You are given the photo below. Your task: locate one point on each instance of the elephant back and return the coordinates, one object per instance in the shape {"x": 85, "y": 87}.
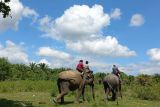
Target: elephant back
{"x": 71, "y": 75}
{"x": 112, "y": 79}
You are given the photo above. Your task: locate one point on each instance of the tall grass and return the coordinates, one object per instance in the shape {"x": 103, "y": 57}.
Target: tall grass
{"x": 147, "y": 92}
{"x": 27, "y": 86}
{"x": 131, "y": 95}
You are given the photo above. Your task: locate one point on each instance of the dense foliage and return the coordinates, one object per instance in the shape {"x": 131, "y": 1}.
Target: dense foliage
{"x": 32, "y": 71}
{"x": 4, "y": 8}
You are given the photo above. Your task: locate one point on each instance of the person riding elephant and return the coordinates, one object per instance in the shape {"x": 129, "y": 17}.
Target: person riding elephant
{"x": 80, "y": 67}
{"x": 84, "y": 70}
{"x": 116, "y": 71}
{"x": 87, "y": 68}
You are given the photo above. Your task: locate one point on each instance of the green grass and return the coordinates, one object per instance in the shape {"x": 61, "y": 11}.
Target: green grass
{"x": 38, "y": 94}
{"x": 27, "y": 86}
{"x": 41, "y": 99}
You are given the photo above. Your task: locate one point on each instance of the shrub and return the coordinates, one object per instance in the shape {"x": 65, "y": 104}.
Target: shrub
{"x": 146, "y": 93}
{"x": 144, "y": 80}
{"x": 156, "y": 78}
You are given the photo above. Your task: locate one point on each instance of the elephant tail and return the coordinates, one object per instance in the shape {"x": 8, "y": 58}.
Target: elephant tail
{"x": 108, "y": 85}
{"x": 58, "y": 84}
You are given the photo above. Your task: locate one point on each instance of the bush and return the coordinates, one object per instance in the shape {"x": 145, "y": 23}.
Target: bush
{"x": 144, "y": 80}
{"x": 146, "y": 93}
{"x": 156, "y": 78}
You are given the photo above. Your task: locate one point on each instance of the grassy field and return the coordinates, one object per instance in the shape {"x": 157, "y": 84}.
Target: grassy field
{"x": 38, "y": 94}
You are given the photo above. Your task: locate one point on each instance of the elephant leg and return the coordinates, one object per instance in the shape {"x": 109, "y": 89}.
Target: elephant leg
{"x": 83, "y": 93}
{"x": 61, "y": 96}
{"x": 93, "y": 93}
{"x": 116, "y": 96}
{"x": 64, "y": 87}
{"x": 106, "y": 95}
{"x": 106, "y": 89}
{"x": 120, "y": 92}
{"x": 113, "y": 95}
{"x": 79, "y": 93}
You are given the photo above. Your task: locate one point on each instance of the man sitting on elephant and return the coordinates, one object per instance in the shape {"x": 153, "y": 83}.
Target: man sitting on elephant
{"x": 87, "y": 66}
{"x": 80, "y": 67}
{"x": 116, "y": 71}
{"x": 87, "y": 69}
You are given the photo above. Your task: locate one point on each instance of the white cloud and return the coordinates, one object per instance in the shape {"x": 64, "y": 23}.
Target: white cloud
{"x": 18, "y": 11}
{"x": 154, "y": 54}
{"x": 143, "y": 68}
{"x": 100, "y": 66}
{"x": 116, "y": 13}
{"x": 80, "y": 27}
{"x": 50, "y": 52}
{"x": 137, "y": 20}
{"x": 107, "y": 46}
{"x": 58, "y": 63}
{"x": 45, "y": 20}
{"x": 28, "y": 12}
{"x": 155, "y": 69}
{"x": 62, "y": 63}
{"x": 77, "y": 22}
{"x": 47, "y": 26}
{"x": 45, "y": 61}
{"x": 13, "y": 52}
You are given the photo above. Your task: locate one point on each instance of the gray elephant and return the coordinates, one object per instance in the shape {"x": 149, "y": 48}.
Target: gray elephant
{"x": 112, "y": 84}
{"x": 72, "y": 80}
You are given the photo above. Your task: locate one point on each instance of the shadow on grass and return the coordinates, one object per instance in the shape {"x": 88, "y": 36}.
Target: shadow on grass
{"x": 109, "y": 99}
{"x": 11, "y": 103}
{"x": 67, "y": 102}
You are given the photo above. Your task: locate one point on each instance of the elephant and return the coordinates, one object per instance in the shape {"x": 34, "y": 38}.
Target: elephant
{"x": 112, "y": 84}
{"x": 72, "y": 80}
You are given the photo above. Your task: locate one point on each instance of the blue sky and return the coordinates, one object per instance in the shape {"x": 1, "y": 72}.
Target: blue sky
{"x": 105, "y": 32}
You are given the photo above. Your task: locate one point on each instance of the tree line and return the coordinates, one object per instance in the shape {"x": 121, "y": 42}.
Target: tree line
{"x": 41, "y": 71}
{"x": 32, "y": 71}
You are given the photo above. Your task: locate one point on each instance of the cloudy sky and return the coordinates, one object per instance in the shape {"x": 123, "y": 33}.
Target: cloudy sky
{"x": 104, "y": 32}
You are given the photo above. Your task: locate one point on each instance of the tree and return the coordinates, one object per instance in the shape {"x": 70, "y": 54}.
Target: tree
{"x": 100, "y": 76}
{"x": 156, "y": 77}
{"x": 131, "y": 78}
{"x": 33, "y": 67}
{"x": 43, "y": 66}
{"x": 21, "y": 71}
{"x": 4, "y": 69}
{"x": 4, "y": 8}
